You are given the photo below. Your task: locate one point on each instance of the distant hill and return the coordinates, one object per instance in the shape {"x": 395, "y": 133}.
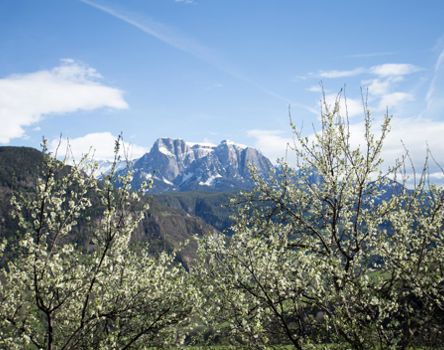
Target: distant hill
{"x": 19, "y": 167}
{"x": 212, "y": 207}
{"x": 165, "y": 226}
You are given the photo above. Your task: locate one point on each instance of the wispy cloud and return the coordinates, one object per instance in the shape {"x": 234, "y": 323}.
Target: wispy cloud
{"x": 371, "y": 54}
{"x": 160, "y": 31}
{"x": 184, "y": 43}
{"x": 333, "y": 74}
{"x": 394, "y": 69}
{"x": 214, "y": 86}
{"x": 435, "y": 93}
{"x": 25, "y": 99}
{"x": 186, "y": 2}
{"x": 394, "y": 99}
{"x": 315, "y": 88}
{"x": 382, "y": 70}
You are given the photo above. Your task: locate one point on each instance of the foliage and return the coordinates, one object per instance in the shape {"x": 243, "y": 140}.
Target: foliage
{"x": 337, "y": 252}
{"x": 12, "y": 172}
{"x": 54, "y": 295}
{"x": 212, "y": 207}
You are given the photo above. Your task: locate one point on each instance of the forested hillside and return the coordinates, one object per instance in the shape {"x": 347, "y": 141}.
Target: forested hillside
{"x": 170, "y": 221}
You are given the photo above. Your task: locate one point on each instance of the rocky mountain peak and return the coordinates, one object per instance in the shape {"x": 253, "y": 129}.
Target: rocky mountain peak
{"x": 177, "y": 165}
{"x": 169, "y": 147}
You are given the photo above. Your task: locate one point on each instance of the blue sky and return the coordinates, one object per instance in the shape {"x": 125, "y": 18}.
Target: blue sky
{"x": 208, "y": 70}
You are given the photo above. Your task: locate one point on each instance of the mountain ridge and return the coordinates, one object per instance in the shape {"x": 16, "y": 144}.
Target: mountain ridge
{"x": 175, "y": 165}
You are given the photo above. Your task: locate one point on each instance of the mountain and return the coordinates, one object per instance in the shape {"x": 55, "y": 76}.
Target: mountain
{"x": 165, "y": 225}
{"x": 176, "y": 165}
{"x": 213, "y": 208}
{"x": 193, "y": 184}
{"x": 104, "y": 167}
{"x": 18, "y": 169}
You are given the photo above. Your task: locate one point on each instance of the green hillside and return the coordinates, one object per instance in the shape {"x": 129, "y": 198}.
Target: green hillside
{"x": 166, "y": 225}
{"x": 213, "y": 208}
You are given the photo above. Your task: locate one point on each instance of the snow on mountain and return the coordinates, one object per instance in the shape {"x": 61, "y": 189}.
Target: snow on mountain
{"x": 210, "y": 180}
{"x": 104, "y": 167}
{"x": 176, "y": 165}
{"x": 164, "y": 150}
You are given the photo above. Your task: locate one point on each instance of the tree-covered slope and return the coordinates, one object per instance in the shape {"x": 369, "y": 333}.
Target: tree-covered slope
{"x": 213, "y": 208}
{"x": 164, "y": 227}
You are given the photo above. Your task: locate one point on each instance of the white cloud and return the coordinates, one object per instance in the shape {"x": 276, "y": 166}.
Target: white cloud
{"x": 99, "y": 144}
{"x": 351, "y": 106}
{"x": 332, "y": 74}
{"x": 272, "y": 143}
{"x": 394, "y": 99}
{"x": 315, "y": 88}
{"x": 415, "y": 133}
{"x": 394, "y": 69}
{"x": 439, "y": 176}
{"x": 382, "y": 92}
{"x": 380, "y": 86}
{"x": 25, "y": 99}
{"x": 377, "y": 86}
{"x": 382, "y": 70}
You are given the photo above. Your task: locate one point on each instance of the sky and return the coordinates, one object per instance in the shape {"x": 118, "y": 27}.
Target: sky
{"x": 209, "y": 70}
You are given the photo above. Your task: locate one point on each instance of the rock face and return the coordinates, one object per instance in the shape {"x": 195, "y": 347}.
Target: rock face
{"x": 176, "y": 165}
